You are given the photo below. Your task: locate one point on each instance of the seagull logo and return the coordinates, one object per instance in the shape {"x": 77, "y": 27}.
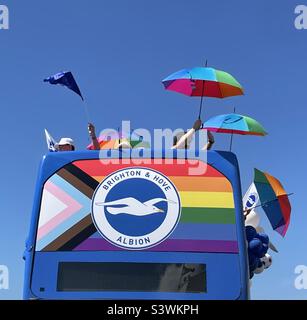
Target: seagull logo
{"x": 136, "y": 208}
{"x": 133, "y": 206}
{"x": 252, "y": 199}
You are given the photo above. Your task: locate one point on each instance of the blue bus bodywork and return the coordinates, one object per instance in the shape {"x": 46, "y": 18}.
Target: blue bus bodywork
{"x": 225, "y": 275}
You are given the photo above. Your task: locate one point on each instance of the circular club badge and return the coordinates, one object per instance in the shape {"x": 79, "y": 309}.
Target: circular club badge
{"x": 252, "y": 199}
{"x": 136, "y": 208}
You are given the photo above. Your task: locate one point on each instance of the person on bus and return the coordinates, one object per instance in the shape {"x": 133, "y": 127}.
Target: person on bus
{"x": 122, "y": 143}
{"x": 65, "y": 144}
{"x": 92, "y": 134}
{"x": 182, "y": 141}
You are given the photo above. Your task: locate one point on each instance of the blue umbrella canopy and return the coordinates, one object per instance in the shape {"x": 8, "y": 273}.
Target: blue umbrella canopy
{"x": 235, "y": 123}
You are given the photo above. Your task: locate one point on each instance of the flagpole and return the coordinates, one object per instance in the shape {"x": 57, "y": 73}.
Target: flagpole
{"x": 202, "y": 95}
{"x": 87, "y": 114}
{"x": 86, "y": 109}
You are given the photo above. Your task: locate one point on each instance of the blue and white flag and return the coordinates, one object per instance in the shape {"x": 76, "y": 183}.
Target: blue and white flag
{"x": 66, "y": 79}
{"x": 51, "y": 143}
{"x": 251, "y": 197}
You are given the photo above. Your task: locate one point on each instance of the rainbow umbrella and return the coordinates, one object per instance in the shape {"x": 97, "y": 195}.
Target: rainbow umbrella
{"x": 235, "y": 124}
{"x": 113, "y": 139}
{"x": 108, "y": 140}
{"x": 112, "y": 144}
{"x": 203, "y": 82}
{"x": 274, "y": 201}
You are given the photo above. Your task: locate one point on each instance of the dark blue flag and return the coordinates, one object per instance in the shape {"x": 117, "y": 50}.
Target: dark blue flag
{"x": 65, "y": 79}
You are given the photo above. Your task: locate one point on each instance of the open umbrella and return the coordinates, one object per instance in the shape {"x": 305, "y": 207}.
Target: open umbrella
{"x": 235, "y": 124}
{"x": 112, "y": 144}
{"x": 274, "y": 201}
{"x": 113, "y": 139}
{"x": 203, "y": 82}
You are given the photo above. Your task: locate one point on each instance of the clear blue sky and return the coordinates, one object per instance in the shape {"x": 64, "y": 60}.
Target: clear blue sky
{"x": 119, "y": 52}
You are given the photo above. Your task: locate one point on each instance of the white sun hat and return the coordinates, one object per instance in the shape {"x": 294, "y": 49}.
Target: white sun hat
{"x": 65, "y": 141}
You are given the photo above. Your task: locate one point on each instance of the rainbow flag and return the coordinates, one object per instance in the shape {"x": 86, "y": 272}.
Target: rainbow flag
{"x": 207, "y": 222}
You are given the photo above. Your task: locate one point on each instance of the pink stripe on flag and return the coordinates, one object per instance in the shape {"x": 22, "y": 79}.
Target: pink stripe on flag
{"x": 72, "y": 207}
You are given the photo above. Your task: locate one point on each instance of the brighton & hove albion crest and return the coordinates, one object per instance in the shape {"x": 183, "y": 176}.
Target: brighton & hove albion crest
{"x": 136, "y": 208}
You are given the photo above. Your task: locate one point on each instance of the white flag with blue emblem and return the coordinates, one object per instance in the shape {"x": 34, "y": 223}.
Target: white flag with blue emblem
{"x": 50, "y": 142}
{"x": 251, "y": 197}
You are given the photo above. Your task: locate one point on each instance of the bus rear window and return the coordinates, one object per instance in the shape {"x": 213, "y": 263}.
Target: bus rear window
{"x": 139, "y": 277}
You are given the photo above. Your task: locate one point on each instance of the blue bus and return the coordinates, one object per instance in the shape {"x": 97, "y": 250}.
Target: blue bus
{"x": 124, "y": 226}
